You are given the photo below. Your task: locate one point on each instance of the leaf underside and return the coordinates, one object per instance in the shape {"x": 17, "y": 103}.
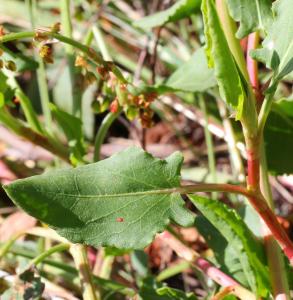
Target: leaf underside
{"x": 117, "y": 202}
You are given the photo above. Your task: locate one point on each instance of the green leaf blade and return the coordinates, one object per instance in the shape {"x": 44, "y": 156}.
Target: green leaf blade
{"x": 221, "y": 59}
{"x": 252, "y": 15}
{"x": 120, "y": 202}
{"x": 194, "y": 75}
{"x": 240, "y": 239}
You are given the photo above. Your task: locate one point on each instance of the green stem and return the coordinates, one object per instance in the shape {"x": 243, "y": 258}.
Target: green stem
{"x": 92, "y": 55}
{"x": 81, "y": 261}
{"x": 209, "y": 142}
{"x": 101, "y": 134}
{"x": 26, "y": 106}
{"x": 264, "y": 112}
{"x": 4, "y": 249}
{"x": 230, "y": 28}
{"x": 40, "y": 258}
{"x": 275, "y": 258}
{"x": 66, "y": 22}
{"x": 41, "y": 72}
{"x": 106, "y": 267}
{"x": 173, "y": 270}
{"x": 235, "y": 156}
{"x": 101, "y": 43}
{"x": 67, "y": 29}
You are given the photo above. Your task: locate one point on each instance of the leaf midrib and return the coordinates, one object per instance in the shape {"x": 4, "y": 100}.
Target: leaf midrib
{"x": 129, "y": 194}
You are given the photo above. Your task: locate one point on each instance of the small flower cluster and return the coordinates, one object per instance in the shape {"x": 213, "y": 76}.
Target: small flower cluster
{"x": 135, "y": 105}
{"x": 46, "y": 51}
{"x": 113, "y": 93}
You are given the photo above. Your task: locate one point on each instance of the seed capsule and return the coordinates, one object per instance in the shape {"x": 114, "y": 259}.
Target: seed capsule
{"x": 10, "y": 65}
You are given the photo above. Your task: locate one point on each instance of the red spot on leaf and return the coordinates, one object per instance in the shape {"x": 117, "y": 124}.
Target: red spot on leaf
{"x": 120, "y": 219}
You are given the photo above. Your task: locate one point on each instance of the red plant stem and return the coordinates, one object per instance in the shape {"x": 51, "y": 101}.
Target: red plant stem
{"x": 214, "y": 273}
{"x": 273, "y": 224}
{"x": 253, "y": 161}
{"x": 255, "y": 198}
{"x": 188, "y": 254}
{"x": 253, "y": 169}
{"x": 252, "y": 66}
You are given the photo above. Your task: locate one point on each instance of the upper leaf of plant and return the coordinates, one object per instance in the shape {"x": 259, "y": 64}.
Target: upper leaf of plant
{"x": 240, "y": 239}
{"x": 194, "y": 75}
{"x": 180, "y": 10}
{"x": 220, "y": 57}
{"x": 121, "y": 201}
{"x": 252, "y": 15}
{"x": 277, "y": 51}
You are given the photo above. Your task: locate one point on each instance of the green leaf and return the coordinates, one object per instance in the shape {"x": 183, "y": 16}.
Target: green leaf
{"x": 72, "y": 127}
{"x": 181, "y": 9}
{"x": 220, "y": 57}
{"x": 252, "y": 15}
{"x": 152, "y": 290}
{"x": 278, "y": 136}
{"x": 277, "y": 51}
{"x": 194, "y": 75}
{"x": 225, "y": 254}
{"x": 121, "y": 201}
{"x": 240, "y": 239}
{"x": 174, "y": 294}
